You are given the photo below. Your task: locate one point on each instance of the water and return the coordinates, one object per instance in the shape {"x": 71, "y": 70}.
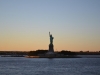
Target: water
{"x": 44, "y": 66}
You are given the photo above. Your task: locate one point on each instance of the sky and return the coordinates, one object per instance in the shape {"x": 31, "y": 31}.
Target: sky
{"x": 74, "y": 24}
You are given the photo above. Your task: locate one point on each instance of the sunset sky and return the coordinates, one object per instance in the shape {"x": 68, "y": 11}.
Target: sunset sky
{"x": 74, "y": 24}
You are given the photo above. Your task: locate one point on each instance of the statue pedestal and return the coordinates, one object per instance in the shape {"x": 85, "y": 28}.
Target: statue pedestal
{"x": 50, "y": 52}
{"x": 51, "y": 48}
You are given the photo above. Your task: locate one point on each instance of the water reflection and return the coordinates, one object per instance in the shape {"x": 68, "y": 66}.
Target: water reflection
{"x": 44, "y": 66}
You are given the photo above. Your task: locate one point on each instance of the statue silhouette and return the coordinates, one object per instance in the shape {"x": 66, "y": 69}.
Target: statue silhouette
{"x": 51, "y": 38}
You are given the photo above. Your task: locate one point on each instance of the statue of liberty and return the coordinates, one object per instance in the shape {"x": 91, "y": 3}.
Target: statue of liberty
{"x": 51, "y": 38}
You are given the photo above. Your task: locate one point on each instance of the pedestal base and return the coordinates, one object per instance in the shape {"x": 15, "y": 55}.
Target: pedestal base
{"x": 51, "y": 48}
{"x": 50, "y": 52}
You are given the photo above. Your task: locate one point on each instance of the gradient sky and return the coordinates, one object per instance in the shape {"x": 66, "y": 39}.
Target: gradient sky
{"x": 74, "y": 24}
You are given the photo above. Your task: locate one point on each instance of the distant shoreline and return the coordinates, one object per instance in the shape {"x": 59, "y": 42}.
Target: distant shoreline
{"x": 53, "y": 57}
{"x": 78, "y": 56}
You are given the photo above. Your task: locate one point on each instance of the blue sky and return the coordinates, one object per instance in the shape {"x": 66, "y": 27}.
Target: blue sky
{"x": 75, "y": 24}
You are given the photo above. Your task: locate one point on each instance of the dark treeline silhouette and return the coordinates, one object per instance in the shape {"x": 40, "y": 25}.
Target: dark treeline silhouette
{"x": 13, "y": 53}
{"x": 37, "y": 52}
{"x": 67, "y": 52}
{"x": 88, "y": 53}
{"x": 64, "y": 52}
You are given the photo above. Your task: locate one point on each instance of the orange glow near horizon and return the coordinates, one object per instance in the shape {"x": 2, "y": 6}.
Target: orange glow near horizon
{"x": 26, "y": 44}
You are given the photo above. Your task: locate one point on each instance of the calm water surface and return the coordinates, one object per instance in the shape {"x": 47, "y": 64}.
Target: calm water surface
{"x": 44, "y": 66}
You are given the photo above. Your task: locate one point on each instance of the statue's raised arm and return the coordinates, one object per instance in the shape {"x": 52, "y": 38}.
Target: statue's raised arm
{"x": 49, "y": 33}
